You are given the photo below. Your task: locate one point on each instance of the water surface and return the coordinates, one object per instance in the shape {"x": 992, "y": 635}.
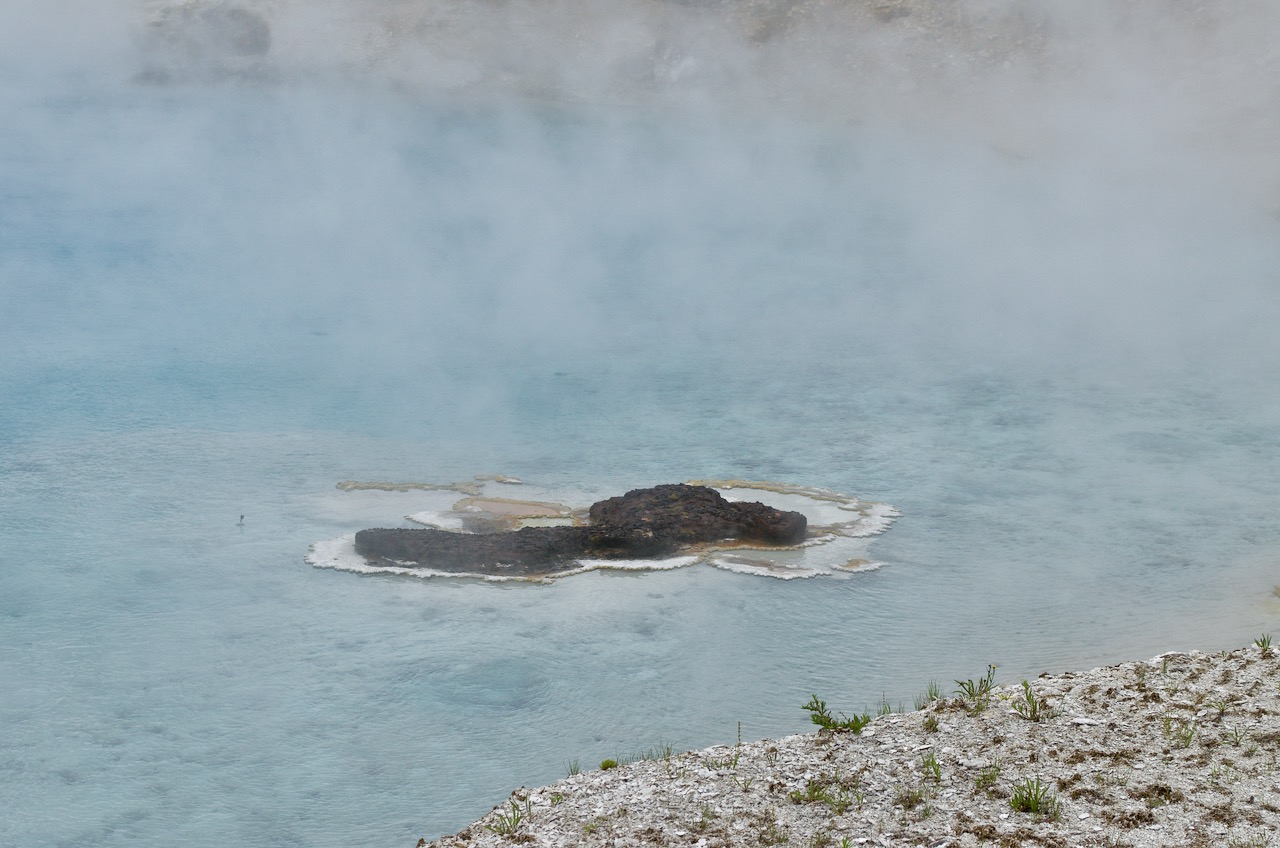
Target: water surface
{"x": 223, "y": 301}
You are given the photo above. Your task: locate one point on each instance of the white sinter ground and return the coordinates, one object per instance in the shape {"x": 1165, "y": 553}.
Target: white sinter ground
{"x": 1181, "y": 750}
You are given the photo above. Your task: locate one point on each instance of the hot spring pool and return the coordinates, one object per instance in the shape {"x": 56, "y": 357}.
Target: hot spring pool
{"x": 226, "y": 300}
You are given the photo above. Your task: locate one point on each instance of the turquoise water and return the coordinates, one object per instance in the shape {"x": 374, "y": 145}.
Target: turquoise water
{"x": 223, "y": 301}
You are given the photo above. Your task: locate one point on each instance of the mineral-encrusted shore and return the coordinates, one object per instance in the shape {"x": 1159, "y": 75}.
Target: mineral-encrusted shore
{"x": 1180, "y": 750}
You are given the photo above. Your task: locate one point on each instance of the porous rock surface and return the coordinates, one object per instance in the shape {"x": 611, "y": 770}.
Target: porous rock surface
{"x": 1181, "y": 750}
{"x": 642, "y": 524}
{"x": 680, "y": 514}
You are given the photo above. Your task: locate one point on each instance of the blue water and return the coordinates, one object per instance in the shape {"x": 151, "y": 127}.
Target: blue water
{"x": 222, "y": 301}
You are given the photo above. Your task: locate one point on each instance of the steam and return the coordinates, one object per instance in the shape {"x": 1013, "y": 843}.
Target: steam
{"x": 555, "y": 182}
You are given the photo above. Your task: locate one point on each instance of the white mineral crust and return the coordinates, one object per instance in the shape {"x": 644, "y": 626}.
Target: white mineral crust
{"x": 1181, "y": 750}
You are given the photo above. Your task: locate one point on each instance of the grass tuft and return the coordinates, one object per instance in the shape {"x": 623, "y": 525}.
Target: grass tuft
{"x": 930, "y": 695}
{"x": 1032, "y": 796}
{"x": 1032, "y": 708}
{"x": 986, "y": 779}
{"x": 909, "y": 797}
{"x": 977, "y": 693}
{"x": 509, "y": 823}
{"x": 932, "y": 768}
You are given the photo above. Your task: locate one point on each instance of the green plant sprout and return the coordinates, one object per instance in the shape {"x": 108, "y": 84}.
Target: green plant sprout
{"x": 1032, "y": 708}
{"x": 821, "y": 716}
{"x": 977, "y": 692}
{"x": 932, "y": 769}
{"x": 1032, "y": 796}
{"x": 508, "y": 823}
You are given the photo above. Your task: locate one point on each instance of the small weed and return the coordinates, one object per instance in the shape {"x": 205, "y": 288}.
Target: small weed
{"x": 931, "y": 724}
{"x": 1225, "y": 773}
{"x": 730, "y": 762}
{"x": 661, "y": 751}
{"x": 821, "y": 839}
{"x": 1179, "y": 732}
{"x": 557, "y": 799}
{"x": 814, "y": 791}
{"x": 1032, "y": 796}
{"x": 987, "y": 778}
{"x": 573, "y": 767}
{"x": 842, "y": 800}
{"x": 1258, "y": 840}
{"x": 821, "y": 716}
{"x": 1157, "y": 795}
{"x": 1264, "y": 644}
{"x": 884, "y": 709}
{"x": 744, "y": 782}
{"x": 839, "y": 794}
{"x": 818, "y": 713}
{"x": 932, "y": 770}
{"x": 509, "y": 823}
{"x": 1237, "y": 735}
{"x": 771, "y": 833}
{"x": 1221, "y": 705}
{"x": 909, "y": 797}
{"x": 1030, "y": 707}
{"x": 607, "y": 764}
{"x": 977, "y": 692}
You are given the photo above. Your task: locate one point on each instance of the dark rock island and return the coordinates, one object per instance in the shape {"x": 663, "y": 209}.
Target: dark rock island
{"x": 642, "y": 524}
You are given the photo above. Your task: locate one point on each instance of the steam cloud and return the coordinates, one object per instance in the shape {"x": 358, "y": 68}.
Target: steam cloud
{"x": 1091, "y": 181}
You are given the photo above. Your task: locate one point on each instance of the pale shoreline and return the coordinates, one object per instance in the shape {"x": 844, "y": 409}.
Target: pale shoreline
{"x": 1183, "y": 749}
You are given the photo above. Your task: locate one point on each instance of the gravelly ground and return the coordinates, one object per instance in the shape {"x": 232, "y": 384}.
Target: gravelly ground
{"x": 1180, "y": 750}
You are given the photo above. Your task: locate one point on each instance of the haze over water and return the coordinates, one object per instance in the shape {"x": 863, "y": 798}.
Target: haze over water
{"x": 1048, "y": 342}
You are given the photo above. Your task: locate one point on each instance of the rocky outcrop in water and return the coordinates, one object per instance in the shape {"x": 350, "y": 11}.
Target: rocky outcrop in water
{"x": 642, "y": 524}
{"x": 652, "y": 522}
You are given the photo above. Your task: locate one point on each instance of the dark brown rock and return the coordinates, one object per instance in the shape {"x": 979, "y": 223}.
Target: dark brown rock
{"x": 642, "y": 524}
{"x": 679, "y": 515}
{"x": 528, "y": 551}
